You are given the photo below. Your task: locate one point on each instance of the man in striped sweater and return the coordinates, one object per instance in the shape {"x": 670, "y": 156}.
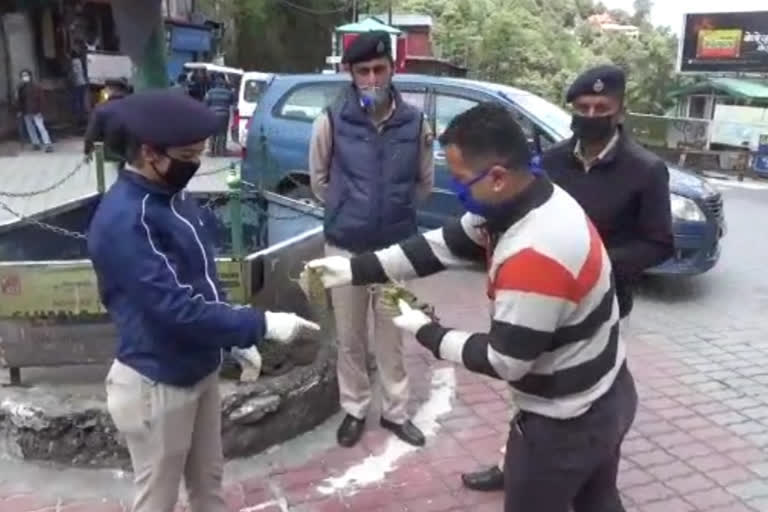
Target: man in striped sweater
{"x": 554, "y": 333}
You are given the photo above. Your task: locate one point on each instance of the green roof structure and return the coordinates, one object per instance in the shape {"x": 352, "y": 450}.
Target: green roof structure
{"x": 736, "y": 87}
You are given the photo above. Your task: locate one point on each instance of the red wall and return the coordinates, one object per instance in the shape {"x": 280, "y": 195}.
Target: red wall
{"x": 419, "y": 43}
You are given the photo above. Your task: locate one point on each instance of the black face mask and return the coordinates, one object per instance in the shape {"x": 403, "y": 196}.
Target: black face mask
{"x": 593, "y": 129}
{"x": 179, "y": 172}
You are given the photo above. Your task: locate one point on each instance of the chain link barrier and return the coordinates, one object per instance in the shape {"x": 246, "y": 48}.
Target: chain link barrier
{"x": 214, "y": 201}
{"x": 84, "y": 163}
{"x": 49, "y": 188}
{"x": 43, "y": 225}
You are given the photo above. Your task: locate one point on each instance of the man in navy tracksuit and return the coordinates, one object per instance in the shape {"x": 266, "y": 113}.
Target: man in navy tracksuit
{"x": 157, "y": 278}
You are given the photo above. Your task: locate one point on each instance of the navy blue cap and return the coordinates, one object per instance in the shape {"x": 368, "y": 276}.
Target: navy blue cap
{"x": 602, "y": 81}
{"x": 164, "y": 118}
{"x": 368, "y": 46}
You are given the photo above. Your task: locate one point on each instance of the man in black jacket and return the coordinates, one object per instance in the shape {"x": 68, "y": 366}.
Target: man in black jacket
{"x": 623, "y": 188}
{"x": 102, "y": 125}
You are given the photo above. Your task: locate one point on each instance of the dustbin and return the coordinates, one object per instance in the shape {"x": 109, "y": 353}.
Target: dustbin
{"x": 761, "y": 159}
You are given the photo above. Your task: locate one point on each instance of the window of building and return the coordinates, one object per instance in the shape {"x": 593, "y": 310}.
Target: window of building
{"x": 697, "y": 107}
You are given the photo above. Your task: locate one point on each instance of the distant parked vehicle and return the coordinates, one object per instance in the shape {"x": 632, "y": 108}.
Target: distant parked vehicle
{"x": 252, "y": 87}
{"x": 278, "y": 143}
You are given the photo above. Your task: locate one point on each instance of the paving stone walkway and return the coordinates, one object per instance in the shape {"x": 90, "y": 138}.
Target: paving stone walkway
{"x": 699, "y": 442}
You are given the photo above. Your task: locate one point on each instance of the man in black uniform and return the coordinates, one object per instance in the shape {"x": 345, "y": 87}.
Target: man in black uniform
{"x": 102, "y": 126}
{"x": 623, "y": 188}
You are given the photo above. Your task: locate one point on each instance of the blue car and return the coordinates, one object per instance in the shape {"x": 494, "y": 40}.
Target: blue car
{"x": 277, "y": 150}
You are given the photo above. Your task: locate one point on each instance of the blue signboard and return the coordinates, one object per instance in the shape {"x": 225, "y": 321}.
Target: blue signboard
{"x": 190, "y": 39}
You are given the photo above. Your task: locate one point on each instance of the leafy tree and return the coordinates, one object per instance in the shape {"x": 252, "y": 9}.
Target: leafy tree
{"x": 539, "y": 45}
{"x": 542, "y": 45}
{"x": 642, "y": 11}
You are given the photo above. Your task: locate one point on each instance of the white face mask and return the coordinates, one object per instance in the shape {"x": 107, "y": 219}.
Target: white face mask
{"x": 26, "y": 78}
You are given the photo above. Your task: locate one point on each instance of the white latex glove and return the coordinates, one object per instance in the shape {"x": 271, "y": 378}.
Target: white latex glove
{"x": 286, "y": 327}
{"x": 410, "y": 320}
{"x": 250, "y": 360}
{"x": 334, "y": 270}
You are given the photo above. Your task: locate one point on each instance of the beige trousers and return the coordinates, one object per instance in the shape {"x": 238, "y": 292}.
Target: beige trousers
{"x": 171, "y": 433}
{"x": 352, "y": 305}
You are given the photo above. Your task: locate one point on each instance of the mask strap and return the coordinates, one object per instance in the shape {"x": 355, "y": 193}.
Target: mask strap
{"x": 159, "y": 151}
{"x": 535, "y": 165}
{"x": 478, "y": 177}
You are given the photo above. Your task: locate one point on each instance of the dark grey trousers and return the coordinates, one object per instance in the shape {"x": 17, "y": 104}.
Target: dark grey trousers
{"x": 558, "y": 465}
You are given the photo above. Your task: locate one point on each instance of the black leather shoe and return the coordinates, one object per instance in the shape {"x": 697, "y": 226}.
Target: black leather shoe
{"x": 491, "y": 479}
{"x": 408, "y": 432}
{"x": 350, "y": 431}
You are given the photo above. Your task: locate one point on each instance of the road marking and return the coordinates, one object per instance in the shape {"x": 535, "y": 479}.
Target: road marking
{"x": 374, "y": 468}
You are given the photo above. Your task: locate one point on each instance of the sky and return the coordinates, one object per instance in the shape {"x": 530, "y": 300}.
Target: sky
{"x": 670, "y": 12}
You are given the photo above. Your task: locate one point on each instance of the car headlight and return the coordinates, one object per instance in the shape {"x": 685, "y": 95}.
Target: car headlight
{"x": 686, "y": 209}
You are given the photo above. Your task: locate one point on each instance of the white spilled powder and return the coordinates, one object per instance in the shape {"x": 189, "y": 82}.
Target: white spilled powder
{"x": 375, "y": 467}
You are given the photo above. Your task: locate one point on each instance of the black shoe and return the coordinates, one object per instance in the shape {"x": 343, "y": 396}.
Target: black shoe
{"x": 491, "y": 479}
{"x": 350, "y": 431}
{"x": 408, "y": 432}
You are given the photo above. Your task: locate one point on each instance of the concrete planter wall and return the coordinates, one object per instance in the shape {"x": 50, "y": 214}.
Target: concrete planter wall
{"x": 37, "y": 425}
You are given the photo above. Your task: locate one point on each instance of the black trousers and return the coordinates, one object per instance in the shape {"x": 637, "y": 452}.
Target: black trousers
{"x": 558, "y": 465}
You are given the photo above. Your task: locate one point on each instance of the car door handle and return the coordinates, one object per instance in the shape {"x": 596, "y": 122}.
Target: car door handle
{"x": 439, "y": 154}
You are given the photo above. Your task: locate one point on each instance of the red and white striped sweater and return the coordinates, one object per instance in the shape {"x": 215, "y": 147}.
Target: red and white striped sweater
{"x": 554, "y": 334}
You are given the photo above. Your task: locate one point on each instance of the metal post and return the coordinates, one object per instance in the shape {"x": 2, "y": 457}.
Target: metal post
{"x": 235, "y": 212}
{"x": 100, "y": 181}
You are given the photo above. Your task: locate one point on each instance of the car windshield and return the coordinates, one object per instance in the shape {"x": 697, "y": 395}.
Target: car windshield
{"x": 554, "y": 117}
{"x": 253, "y": 90}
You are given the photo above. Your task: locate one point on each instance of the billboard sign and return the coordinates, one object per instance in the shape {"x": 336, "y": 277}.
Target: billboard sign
{"x": 725, "y": 42}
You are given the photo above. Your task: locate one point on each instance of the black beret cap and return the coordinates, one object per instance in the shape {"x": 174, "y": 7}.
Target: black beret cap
{"x": 368, "y": 46}
{"x": 165, "y": 118}
{"x": 602, "y": 81}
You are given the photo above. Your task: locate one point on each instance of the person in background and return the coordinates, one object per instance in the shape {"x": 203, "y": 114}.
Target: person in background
{"x": 220, "y": 99}
{"x": 29, "y": 97}
{"x": 182, "y": 85}
{"x": 114, "y": 88}
{"x": 79, "y": 87}
{"x": 102, "y": 125}
{"x": 370, "y": 162}
{"x": 198, "y": 84}
{"x": 157, "y": 279}
{"x": 623, "y": 188}
{"x": 554, "y": 334}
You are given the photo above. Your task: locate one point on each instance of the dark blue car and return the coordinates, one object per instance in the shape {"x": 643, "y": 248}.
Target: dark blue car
{"x": 278, "y": 144}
